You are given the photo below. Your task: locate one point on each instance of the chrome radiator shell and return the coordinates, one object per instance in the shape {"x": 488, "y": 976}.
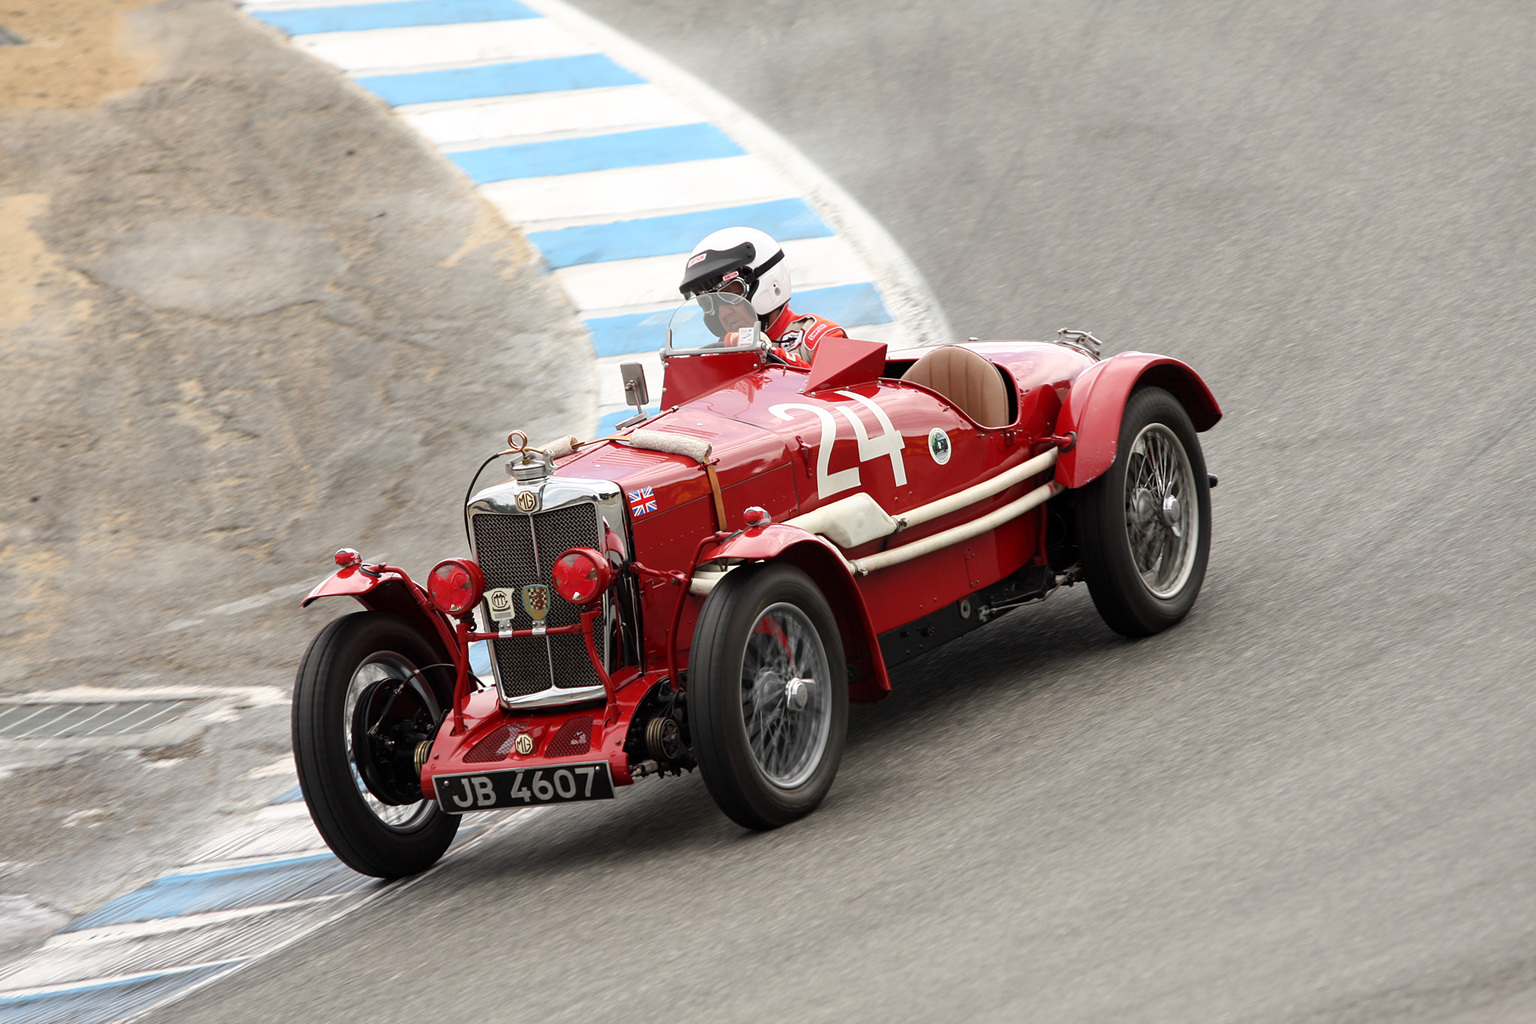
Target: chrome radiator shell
{"x": 518, "y": 529}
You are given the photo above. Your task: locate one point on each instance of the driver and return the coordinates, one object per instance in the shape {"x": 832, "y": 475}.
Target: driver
{"x": 738, "y": 276}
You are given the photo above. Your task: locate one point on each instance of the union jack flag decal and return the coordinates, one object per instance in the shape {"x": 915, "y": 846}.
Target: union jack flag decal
{"x": 642, "y": 501}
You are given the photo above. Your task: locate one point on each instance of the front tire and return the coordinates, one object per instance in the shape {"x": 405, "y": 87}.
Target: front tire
{"x": 1145, "y": 525}
{"x": 767, "y": 695}
{"x": 360, "y": 705}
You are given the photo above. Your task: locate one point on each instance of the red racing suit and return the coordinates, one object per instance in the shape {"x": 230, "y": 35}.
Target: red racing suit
{"x": 795, "y": 337}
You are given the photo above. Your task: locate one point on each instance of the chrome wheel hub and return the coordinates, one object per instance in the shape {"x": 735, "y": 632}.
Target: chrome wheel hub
{"x": 797, "y": 693}
{"x": 1171, "y": 515}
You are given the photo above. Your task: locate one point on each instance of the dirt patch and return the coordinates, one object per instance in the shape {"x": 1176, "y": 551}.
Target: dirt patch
{"x": 24, "y": 259}
{"x": 76, "y": 53}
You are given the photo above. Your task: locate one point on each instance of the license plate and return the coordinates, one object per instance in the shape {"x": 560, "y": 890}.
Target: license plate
{"x": 523, "y": 787}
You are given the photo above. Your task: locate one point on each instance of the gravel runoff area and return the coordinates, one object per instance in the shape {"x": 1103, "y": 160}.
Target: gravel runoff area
{"x": 245, "y": 318}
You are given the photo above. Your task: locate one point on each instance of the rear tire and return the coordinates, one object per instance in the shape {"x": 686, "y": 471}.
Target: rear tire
{"x": 1145, "y": 526}
{"x": 360, "y": 703}
{"x": 767, "y": 695}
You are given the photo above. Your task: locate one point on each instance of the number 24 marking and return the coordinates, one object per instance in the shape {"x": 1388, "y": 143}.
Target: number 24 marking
{"x": 888, "y": 443}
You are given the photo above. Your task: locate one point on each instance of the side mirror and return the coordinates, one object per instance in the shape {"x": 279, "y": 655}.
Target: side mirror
{"x": 635, "y": 392}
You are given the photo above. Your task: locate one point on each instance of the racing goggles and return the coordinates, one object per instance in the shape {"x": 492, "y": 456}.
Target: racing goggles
{"x": 731, "y": 291}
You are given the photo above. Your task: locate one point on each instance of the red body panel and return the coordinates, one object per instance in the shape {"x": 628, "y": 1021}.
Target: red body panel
{"x": 483, "y": 716}
{"x": 386, "y": 588}
{"x": 1093, "y": 408}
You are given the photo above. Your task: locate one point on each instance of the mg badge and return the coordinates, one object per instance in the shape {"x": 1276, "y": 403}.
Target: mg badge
{"x": 523, "y": 744}
{"x": 536, "y": 601}
{"x": 503, "y": 603}
{"x": 527, "y": 501}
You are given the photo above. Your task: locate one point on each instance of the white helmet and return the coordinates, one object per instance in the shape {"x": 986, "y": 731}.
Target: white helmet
{"x": 747, "y": 252}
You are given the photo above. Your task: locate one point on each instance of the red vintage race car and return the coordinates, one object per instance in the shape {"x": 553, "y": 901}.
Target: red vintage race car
{"x": 711, "y": 587}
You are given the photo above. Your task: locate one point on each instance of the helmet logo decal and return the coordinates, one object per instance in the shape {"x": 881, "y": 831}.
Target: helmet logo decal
{"x": 700, "y": 258}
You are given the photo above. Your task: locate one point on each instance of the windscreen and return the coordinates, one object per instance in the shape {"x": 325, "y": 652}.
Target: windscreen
{"x": 713, "y": 322}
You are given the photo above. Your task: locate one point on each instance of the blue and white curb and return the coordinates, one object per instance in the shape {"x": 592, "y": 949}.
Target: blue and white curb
{"x": 266, "y": 883}
{"x": 614, "y": 163}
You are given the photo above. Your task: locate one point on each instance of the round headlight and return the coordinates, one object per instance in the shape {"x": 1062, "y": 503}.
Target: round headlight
{"x": 454, "y": 585}
{"x": 581, "y": 575}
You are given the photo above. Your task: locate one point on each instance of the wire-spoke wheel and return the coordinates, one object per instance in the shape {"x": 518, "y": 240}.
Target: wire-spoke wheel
{"x": 361, "y": 707}
{"x": 767, "y": 695}
{"x": 1145, "y": 524}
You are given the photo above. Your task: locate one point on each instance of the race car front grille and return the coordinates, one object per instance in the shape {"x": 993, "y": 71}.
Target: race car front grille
{"x": 516, "y": 551}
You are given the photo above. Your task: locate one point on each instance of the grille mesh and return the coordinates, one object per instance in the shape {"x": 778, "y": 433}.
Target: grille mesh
{"x": 496, "y": 745}
{"x": 574, "y": 737}
{"x": 505, "y": 548}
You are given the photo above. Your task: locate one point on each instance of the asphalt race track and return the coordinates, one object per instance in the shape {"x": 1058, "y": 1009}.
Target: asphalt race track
{"x": 1310, "y": 802}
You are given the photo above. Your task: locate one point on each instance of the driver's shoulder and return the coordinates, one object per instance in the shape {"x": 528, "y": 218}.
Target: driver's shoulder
{"x": 813, "y": 328}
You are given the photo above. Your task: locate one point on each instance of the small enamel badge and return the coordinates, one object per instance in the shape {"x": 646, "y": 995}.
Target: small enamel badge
{"x": 938, "y": 445}
{"x": 536, "y": 601}
{"x": 502, "y": 602}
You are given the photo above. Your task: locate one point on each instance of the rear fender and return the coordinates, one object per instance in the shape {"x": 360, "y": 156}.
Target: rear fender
{"x": 387, "y": 589}
{"x": 1096, "y": 403}
{"x": 818, "y": 559}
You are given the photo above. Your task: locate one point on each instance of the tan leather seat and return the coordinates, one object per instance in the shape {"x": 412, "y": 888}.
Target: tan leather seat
{"x": 969, "y": 380}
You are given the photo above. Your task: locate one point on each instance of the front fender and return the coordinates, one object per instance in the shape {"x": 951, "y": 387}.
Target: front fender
{"x": 1096, "y": 403}
{"x": 388, "y": 589}
{"x": 817, "y": 558}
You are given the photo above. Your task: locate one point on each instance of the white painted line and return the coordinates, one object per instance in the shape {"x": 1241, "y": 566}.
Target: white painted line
{"x": 267, "y": 837}
{"x": 40, "y": 990}
{"x": 599, "y": 196}
{"x": 384, "y": 51}
{"x": 618, "y": 284}
{"x": 474, "y": 124}
{"x": 245, "y": 696}
{"x": 83, "y": 956}
{"x": 186, "y": 922}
